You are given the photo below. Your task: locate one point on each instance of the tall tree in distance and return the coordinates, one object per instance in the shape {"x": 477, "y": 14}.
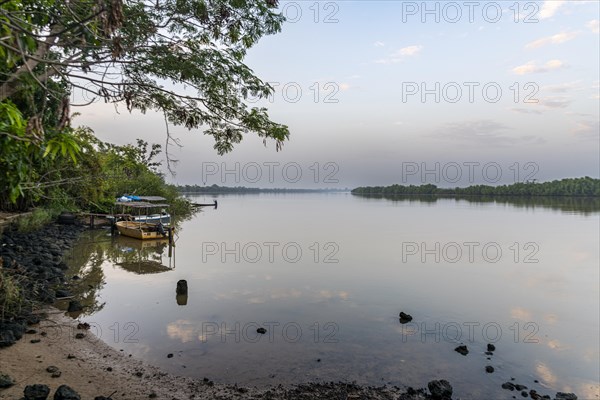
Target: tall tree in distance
{"x": 183, "y": 58}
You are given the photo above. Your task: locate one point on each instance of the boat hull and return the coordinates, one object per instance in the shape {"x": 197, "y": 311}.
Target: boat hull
{"x": 140, "y": 230}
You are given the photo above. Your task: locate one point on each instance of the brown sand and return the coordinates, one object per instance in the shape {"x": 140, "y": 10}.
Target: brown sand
{"x": 92, "y": 368}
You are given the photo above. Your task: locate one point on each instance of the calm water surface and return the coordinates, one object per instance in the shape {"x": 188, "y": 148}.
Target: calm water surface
{"x": 327, "y": 275}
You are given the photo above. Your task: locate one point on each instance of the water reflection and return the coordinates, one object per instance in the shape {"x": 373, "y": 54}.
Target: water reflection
{"x": 98, "y": 247}
{"x": 582, "y": 205}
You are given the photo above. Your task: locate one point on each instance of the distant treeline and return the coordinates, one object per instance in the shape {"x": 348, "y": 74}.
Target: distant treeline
{"x": 587, "y": 186}
{"x": 242, "y": 189}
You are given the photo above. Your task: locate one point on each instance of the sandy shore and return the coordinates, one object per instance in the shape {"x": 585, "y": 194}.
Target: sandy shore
{"x": 92, "y": 368}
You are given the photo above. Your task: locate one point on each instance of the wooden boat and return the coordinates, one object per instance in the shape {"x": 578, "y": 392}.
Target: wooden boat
{"x": 142, "y": 230}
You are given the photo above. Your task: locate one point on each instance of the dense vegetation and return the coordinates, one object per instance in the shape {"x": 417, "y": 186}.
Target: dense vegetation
{"x": 123, "y": 52}
{"x": 216, "y": 189}
{"x": 586, "y": 187}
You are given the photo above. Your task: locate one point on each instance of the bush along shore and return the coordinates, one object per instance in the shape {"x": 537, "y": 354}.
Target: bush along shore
{"x": 33, "y": 276}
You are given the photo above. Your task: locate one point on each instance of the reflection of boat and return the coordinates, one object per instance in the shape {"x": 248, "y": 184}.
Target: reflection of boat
{"x": 142, "y": 230}
{"x": 164, "y": 218}
{"x": 141, "y": 256}
{"x": 126, "y": 242}
{"x": 143, "y": 267}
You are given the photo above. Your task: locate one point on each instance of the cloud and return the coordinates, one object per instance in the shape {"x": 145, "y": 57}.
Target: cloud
{"x": 401, "y": 54}
{"x": 594, "y": 26}
{"x": 378, "y": 44}
{"x": 587, "y": 130}
{"x": 550, "y": 8}
{"x": 410, "y": 50}
{"x": 344, "y": 86}
{"x": 526, "y": 111}
{"x": 555, "y": 102}
{"x": 483, "y": 132}
{"x": 559, "y": 38}
{"x": 532, "y": 68}
{"x": 562, "y": 87}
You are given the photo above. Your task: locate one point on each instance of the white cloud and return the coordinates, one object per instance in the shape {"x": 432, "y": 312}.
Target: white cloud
{"x": 562, "y": 87}
{"x": 410, "y": 50}
{"x": 532, "y": 68}
{"x": 559, "y": 38}
{"x": 555, "y": 102}
{"x": 587, "y": 130}
{"x": 550, "y": 8}
{"x": 400, "y": 55}
{"x": 594, "y": 25}
{"x": 378, "y": 44}
{"x": 344, "y": 86}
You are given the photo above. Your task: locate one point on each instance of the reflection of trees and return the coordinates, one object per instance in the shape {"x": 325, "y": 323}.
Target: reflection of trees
{"x": 583, "y": 205}
{"x": 96, "y": 247}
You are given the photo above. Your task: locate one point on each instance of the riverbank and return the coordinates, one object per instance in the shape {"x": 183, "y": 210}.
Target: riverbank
{"x": 40, "y": 345}
{"x": 93, "y": 369}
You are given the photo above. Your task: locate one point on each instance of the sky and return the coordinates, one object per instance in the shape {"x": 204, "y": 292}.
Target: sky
{"x": 384, "y": 92}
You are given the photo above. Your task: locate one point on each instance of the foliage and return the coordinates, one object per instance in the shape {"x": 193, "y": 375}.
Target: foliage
{"x": 11, "y": 293}
{"x": 565, "y": 187}
{"x": 38, "y": 218}
{"x": 181, "y": 58}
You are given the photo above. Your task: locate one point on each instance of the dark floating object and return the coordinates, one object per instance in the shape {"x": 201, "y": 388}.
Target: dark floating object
{"x": 404, "y": 317}
{"x": 170, "y": 355}
{"x": 462, "y": 349}
{"x": 491, "y": 347}
{"x": 262, "y": 331}
{"x": 182, "y": 292}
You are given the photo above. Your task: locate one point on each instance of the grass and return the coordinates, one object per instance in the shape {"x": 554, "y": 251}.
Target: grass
{"x": 37, "y": 219}
{"x": 11, "y": 299}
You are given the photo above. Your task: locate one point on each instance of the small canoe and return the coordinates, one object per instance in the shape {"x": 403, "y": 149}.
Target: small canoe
{"x": 141, "y": 230}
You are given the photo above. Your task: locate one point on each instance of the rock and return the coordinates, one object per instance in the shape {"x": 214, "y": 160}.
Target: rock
{"x": 170, "y": 355}
{"x": 508, "y": 386}
{"x": 35, "y": 340}
{"x": 491, "y": 347}
{"x": 565, "y": 396}
{"x": 83, "y": 325}
{"x": 6, "y": 381}
{"x": 489, "y": 369}
{"x": 440, "y": 389}
{"x": 462, "y": 349}
{"x": 51, "y": 369}
{"x": 404, "y": 317}
{"x": 56, "y": 374}
{"x": 66, "y": 393}
{"x": 262, "y": 331}
{"x": 102, "y": 398}
{"x": 75, "y": 306}
{"x": 524, "y": 394}
{"x": 31, "y": 331}
{"x": 62, "y": 293}
{"x": 79, "y": 335}
{"x": 7, "y": 338}
{"x": 152, "y": 395}
{"x": 520, "y": 387}
{"x": 36, "y": 392}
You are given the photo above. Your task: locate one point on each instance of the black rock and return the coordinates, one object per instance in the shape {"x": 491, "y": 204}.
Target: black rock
{"x": 34, "y": 341}
{"x": 404, "y": 317}
{"x": 182, "y": 287}
{"x": 489, "y": 369}
{"x": 170, "y": 355}
{"x": 75, "y": 306}
{"x": 508, "y": 386}
{"x": 462, "y": 349}
{"x": 79, "y": 335}
{"x": 7, "y": 338}
{"x": 102, "y": 398}
{"x": 6, "y": 381}
{"x": 524, "y": 394}
{"x": 440, "y": 389}
{"x": 565, "y": 396}
{"x": 36, "y": 392}
{"x": 262, "y": 331}
{"x": 491, "y": 347}
{"x": 51, "y": 369}
{"x": 66, "y": 393}
{"x": 62, "y": 293}
{"x": 520, "y": 387}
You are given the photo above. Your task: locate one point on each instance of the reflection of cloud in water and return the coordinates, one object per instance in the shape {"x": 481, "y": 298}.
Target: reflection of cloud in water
{"x": 264, "y": 295}
{"x": 556, "y": 345}
{"x": 183, "y": 330}
{"x": 520, "y": 313}
{"x": 551, "y": 318}
{"x": 546, "y": 373}
{"x": 589, "y": 390}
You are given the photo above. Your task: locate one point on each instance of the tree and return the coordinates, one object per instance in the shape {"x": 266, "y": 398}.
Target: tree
{"x": 183, "y": 58}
